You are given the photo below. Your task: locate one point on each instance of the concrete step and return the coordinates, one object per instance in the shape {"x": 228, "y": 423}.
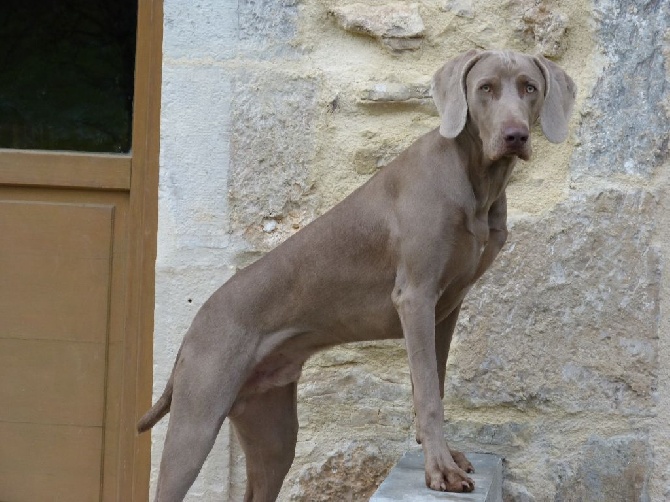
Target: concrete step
{"x": 406, "y": 481}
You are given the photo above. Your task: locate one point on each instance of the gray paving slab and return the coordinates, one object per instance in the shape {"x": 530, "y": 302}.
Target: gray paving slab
{"x": 406, "y": 481}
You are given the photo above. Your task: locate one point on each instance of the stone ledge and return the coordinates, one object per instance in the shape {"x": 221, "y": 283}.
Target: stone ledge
{"x": 398, "y": 26}
{"x": 391, "y": 92}
{"x": 406, "y": 481}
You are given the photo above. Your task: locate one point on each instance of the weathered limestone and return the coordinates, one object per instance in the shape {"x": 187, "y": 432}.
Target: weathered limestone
{"x": 513, "y": 492}
{"x": 332, "y": 480}
{"x": 281, "y": 112}
{"x": 271, "y": 113}
{"x": 463, "y": 8}
{"x": 625, "y": 128}
{"x": 590, "y": 327}
{"x": 606, "y": 470}
{"x": 394, "y": 92}
{"x": 546, "y": 28}
{"x": 266, "y": 28}
{"x": 368, "y": 160}
{"x": 397, "y": 25}
{"x": 582, "y": 348}
{"x": 267, "y": 19}
{"x": 221, "y": 30}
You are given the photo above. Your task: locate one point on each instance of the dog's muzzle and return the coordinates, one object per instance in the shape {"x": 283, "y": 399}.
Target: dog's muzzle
{"x": 516, "y": 141}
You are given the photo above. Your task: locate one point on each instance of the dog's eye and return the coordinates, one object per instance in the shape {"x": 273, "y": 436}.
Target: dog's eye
{"x": 485, "y": 88}
{"x": 530, "y": 88}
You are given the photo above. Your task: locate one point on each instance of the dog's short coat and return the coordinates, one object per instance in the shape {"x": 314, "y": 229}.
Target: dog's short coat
{"x": 393, "y": 259}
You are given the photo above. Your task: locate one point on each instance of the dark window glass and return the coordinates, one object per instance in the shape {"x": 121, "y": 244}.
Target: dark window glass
{"x": 66, "y": 74}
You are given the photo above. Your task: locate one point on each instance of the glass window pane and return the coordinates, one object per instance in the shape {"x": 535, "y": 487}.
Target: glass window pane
{"x": 66, "y": 74}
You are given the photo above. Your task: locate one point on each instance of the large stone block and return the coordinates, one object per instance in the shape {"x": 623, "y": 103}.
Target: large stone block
{"x": 606, "y": 470}
{"x": 194, "y": 159}
{"x": 209, "y": 30}
{"x": 223, "y": 30}
{"x": 272, "y": 146}
{"x": 267, "y": 27}
{"x": 506, "y": 438}
{"x": 373, "y": 393}
{"x": 407, "y": 481}
{"x": 625, "y": 128}
{"x": 349, "y": 473}
{"x": 568, "y": 315}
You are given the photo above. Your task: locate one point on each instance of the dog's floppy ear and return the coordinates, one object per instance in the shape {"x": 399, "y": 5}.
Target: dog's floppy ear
{"x": 559, "y": 97}
{"x": 449, "y": 93}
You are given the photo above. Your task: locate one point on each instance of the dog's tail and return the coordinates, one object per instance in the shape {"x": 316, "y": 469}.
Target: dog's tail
{"x": 158, "y": 410}
{"x": 162, "y": 406}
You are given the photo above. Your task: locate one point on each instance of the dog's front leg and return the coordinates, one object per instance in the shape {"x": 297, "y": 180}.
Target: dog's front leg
{"x": 416, "y": 309}
{"x": 444, "y": 331}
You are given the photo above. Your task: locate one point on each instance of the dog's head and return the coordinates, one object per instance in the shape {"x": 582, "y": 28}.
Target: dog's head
{"x": 502, "y": 94}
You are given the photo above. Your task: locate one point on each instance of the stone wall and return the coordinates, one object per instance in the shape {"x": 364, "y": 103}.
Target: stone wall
{"x": 274, "y": 110}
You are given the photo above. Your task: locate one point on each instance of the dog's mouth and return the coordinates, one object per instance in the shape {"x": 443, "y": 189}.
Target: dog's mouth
{"x": 522, "y": 152}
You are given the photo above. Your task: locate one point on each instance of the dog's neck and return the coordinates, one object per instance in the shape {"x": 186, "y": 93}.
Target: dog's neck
{"x": 488, "y": 177}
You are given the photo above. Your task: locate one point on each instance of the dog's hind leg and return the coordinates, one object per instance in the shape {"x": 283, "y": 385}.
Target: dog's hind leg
{"x": 267, "y": 427}
{"x": 206, "y": 383}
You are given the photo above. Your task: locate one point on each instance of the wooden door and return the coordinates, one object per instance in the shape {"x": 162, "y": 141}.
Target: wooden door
{"x": 77, "y": 251}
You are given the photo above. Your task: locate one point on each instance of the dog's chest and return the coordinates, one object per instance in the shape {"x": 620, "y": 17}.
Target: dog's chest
{"x": 480, "y": 230}
{"x": 476, "y": 226}
{"x": 461, "y": 271}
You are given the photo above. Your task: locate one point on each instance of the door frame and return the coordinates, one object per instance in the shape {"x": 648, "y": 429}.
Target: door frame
{"x": 143, "y": 227}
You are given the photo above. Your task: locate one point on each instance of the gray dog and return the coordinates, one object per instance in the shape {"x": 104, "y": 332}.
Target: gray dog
{"x": 394, "y": 259}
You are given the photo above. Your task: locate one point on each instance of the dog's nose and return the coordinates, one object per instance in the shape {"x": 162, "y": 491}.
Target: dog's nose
{"x": 515, "y": 136}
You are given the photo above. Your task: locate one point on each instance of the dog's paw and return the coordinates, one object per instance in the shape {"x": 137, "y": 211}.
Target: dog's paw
{"x": 448, "y": 477}
{"x": 462, "y": 461}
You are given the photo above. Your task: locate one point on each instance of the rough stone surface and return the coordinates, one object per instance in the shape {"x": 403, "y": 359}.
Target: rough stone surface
{"x": 369, "y": 159}
{"x": 514, "y": 492}
{"x": 606, "y": 470}
{"x": 590, "y": 328}
{"x": 267, "y": 27}
{"x": 392, "y": 92}
{"x": 210, "y": 31}
{"x": 545, "y": 27}
{"x": 332, "y": 478}
{"x": 463, "y": 8}
{"x": 222, "y": 30}
{"x": 271, "y": 114}
{"x": 194, "y": 209}
{"x": 625, "y": 129}
{"x": 507, "y": 438}
{"x": 278, "y": 154}
{"x": 379, "y": 368}
{"x": 397, "y": 25}
{"x": 373, "y": 427}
